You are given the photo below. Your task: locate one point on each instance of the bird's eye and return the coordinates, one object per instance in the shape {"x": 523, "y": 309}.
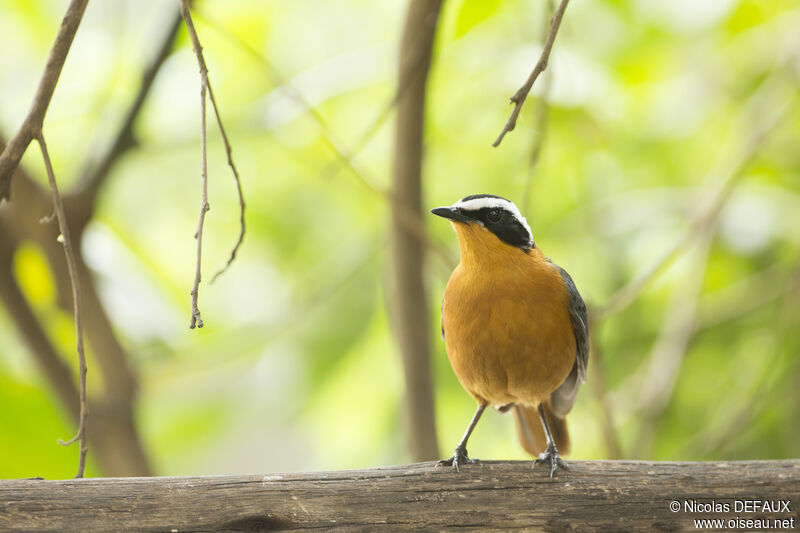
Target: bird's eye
{"x": 494, "y": 215}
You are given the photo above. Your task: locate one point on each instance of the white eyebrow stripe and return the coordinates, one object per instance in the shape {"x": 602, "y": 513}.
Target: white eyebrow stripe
{"x": 486, "y": 201}
{"x": 475, "y": 204}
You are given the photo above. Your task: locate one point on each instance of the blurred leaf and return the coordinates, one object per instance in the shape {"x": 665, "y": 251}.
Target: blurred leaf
{"x": 34, "y": 276}
{"x": 473, "y": 12}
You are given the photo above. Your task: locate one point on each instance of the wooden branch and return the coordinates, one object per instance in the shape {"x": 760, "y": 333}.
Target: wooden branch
{"x": 237, "y": 181}
{"x": 32, "y": 125}
{"x": 410, "y": 316}
{"x": 522, "y": 93}
{"x": 592, "y": 496}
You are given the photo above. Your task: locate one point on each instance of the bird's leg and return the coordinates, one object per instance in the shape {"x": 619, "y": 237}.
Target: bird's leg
{"x": 550, "y": 454}
{"x": 460, "y": 454}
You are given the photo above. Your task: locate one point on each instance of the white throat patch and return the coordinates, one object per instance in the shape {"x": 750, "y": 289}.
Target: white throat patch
{"x": 487, "y": 201}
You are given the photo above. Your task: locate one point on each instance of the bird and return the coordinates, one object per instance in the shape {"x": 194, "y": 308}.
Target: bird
{"x": 515, "y": 327}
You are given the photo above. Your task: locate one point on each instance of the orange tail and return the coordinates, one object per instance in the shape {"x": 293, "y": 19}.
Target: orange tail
{"x": 531, "y": 432}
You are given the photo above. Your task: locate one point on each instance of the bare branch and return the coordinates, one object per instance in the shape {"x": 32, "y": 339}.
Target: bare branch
{"x": 522, "y": 93}
{"x": 228, "y": 153}
{"x": 204, "y": 207}
{"x": 32, "y": 126}
{"x": 69, "y": 252}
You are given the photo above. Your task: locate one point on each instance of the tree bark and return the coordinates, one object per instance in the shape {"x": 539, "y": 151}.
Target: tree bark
{"x": 410, "y": 309}
{"x": 490, "y": 496}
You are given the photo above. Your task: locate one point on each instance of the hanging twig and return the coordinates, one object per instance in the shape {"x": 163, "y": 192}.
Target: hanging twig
{"x": 205, "y": 86}
{"x": 522, "y": 93}
{"x": 196, "y": 319}
{"x": 204, "y": 207}
{"x": 69, "y": 252}
{"x": 229, "y": 155}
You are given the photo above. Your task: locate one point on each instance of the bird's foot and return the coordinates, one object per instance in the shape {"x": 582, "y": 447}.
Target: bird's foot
{"x": 550, "y": 455}
{"x": 459, "y": 458}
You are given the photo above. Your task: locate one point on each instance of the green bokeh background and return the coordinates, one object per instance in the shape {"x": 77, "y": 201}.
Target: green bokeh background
{"x": 297, "y": 367}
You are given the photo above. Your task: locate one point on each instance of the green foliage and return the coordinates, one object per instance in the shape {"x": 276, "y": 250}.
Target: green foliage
{"x": 297, "y": 367}
{"x": 471, "y": 14}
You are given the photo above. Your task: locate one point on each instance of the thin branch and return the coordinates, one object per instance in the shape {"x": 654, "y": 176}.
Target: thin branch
{"x": 94, "y": 174}
{"x": 69, "y": 253}
{"x": 522, "y": 93}
{"x": 32, "y": 126}
{"x": 228, "y": 153}
{"x": 204, "y": 206}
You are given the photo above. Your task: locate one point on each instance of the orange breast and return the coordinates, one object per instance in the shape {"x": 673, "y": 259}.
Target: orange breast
{"x": 507, "y": 328}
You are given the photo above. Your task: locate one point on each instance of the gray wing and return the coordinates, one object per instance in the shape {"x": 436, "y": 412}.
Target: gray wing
{"x": 563, "y": 397}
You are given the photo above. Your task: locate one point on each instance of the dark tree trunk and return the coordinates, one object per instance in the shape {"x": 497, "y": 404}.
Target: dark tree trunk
{"x": 410, "y": 310}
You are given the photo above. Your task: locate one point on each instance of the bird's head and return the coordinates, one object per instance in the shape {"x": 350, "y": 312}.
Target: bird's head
{"x": 487, "y": 221}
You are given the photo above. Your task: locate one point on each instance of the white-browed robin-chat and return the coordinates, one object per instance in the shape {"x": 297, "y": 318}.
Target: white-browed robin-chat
{"x": 514, "y": 326}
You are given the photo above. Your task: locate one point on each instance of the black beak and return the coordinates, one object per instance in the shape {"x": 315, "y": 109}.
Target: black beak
{"x": 451, "y": 213}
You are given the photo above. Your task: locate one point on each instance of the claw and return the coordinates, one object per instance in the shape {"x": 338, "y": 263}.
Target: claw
{"x": 551, "y": 455}
{"x": 459, "y": 458}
